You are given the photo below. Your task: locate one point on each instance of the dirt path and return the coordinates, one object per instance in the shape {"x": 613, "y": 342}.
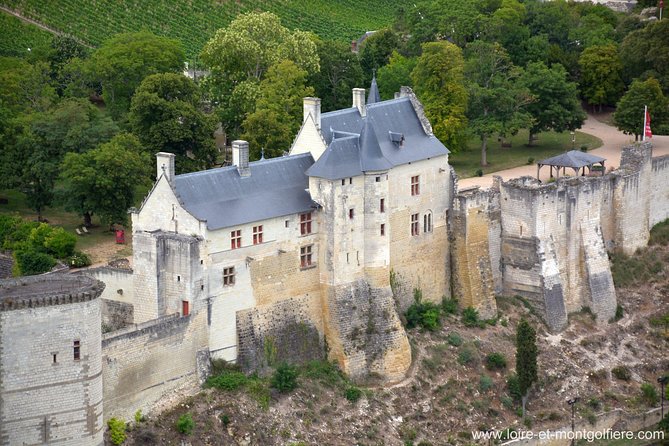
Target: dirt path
{"x": 41, "y": 25}
{"x": 614, "y": 140}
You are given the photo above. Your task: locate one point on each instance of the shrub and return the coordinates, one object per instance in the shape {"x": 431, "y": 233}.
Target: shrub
{"x": 60, "y": 243}
{"x": 116, "y": 430}
{"x": 8, "y": 225}
{"x": 422, "y": 314}
{"x": 449, "y": 306}
{"x": 284, "y": 378}
{"x": 530, "y": 161}
{"x": 470, "y": 317}
{"x": 185, "y": 424}
{"x": 479, "y": 173}
{"x": 325, "y": 372}
{"x": 225, "y": 419}
{"x": 30, "y": 262}
{"x": 619, "y": 313}
{"x": 79, "y": 259}
{"x": 139, "y": 417}
{"x": 584, "y": 148}
{"x": 495, "y": 361}
{"x": 465, "y": 356}
{"x": 622, "y": 373}
{"x": 659, "y": 234}
{"x": 227, "y": 380}
{"x": 258, "y": 389}
{"x": 513, "y": 386}
{"x": 649, "y": 394}
{"x": 353, "y": 394}
{"x": 454, "y": 339}
{"x": 485, "y": 383}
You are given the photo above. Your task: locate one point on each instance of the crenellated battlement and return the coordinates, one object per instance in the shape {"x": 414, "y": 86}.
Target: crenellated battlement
{"x": 35, "y": 291}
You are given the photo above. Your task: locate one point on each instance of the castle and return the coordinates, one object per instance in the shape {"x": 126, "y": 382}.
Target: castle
{"x": 316, "y": 254}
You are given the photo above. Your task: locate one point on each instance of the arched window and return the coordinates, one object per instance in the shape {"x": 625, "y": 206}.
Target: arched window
{"x": 427, "y": 222}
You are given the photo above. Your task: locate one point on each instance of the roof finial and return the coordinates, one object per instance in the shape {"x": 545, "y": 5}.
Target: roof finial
{"x": 374, "y": 95}
{"x": 262, "y": 153}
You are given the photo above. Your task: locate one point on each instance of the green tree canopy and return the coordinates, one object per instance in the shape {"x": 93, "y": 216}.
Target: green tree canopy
{"x": 278, "y": 113}
{"x": 396, "y": 74}
{"x": 122, "y": 62}
{"x": 165, "y": 115}
{"x": 556, "y": 105}
{"x": 439, "y": 83}
{"x": 340, "y": 72}
{"x": 25, "y": 87}
{"x": 601, "y": 75}
{"x": 629, "y": 116}
{"x": 376, "y": 50}
{"x": 496, "y": 100}
{"x": 645, "y": 53}
{"x": 102, "y": 181}
{"x": 526, "y": 358}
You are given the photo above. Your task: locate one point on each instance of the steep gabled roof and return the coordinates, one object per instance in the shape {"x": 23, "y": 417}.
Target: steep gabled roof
{"x": 275, "y": 188}
{"x": 374, "y": 96}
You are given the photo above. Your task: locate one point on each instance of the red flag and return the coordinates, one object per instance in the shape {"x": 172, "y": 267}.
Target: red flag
{"x": 646, "y": 131}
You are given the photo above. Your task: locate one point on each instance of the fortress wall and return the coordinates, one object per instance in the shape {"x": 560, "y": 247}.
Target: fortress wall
{"x": 475, "y": 223}
{"x": 659, "y": 190}
{"x": 118, "y": 282}
{"x": 146, "y": 362}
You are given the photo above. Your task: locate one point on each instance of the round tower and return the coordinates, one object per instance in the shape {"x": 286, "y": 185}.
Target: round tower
{"x": 50, "y": 361}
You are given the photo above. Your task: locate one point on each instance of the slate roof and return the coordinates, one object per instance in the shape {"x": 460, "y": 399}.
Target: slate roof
{"x": 390, "y": 135}
{"x": 574, "y": 159}
{"x": 374, "y": 96}
{"x": 275, "y": 188}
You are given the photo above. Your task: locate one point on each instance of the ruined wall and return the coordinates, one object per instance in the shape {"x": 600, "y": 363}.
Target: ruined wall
{"x": 146, "y": 362}
{"x": 475, "y": 231}
{"x": 116, "y": 315}
{"x": 659, "y": 191}
{"x": 280, "y": 332}
{"x": 118, "y": 282}
{"x": 47, "y": 394}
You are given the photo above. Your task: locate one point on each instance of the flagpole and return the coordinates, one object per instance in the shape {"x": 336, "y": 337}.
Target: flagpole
{"x": 645, "y": 114}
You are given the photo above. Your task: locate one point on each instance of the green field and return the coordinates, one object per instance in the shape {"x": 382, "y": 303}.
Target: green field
{"x": 548, "y": 144}
{"x": 193, "y": 22}
{"x": 18, "y": 36}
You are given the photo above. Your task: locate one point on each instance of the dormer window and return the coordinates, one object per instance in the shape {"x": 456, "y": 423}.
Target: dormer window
{"x": 397, "y": 138}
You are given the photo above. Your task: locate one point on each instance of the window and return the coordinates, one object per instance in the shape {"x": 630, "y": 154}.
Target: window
{"x": 415, "y": 185}
{"x": 378, "y": 179}
{"x": 343, "y": 182}
{"x": 178, "y": 278}
{"x": 184, "y": 308}
{"x": 350, "y": 213}
{"x": 54, "y": 358}
{"x": 305, "y": 256}
{"x": 257, "y": 235}
{"x": 236, "y": 239}
{"x": 382, "y": 205}
{"x": 414, "y": 224}
{"x": 383, "y": 229}
{"x": 287, "y": 223}
{"x": 427, "y": 222}
{"x": 350, "y": 180}
{"x": 305, "y": 223}
{"x": 77, "y": 350}
{"x": 229, "y": 276}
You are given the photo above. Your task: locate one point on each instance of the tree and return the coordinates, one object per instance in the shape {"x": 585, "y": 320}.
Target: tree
{"x": 102, "y": 181}
{"x": 601, "y": 75}
{"x": 239, "y": 57}
{"x": 278, "y": 114}
{"x": 496, "y": 102}
{"x": 396, "y": 74}
{"x": 592, "y": 30}
{"x": 340, "y": 72}
{"x": 375, "y": 51}
{"x": 556, "y": 105}
{"x": 645, "y": 53}
{"x": 122, "y": 62}
{"x": 439, "y": 82}
{"x": 526, "y": 358}
{"x": 165, "y": 115}
{"x": 25, "y": 87}
{"x": 628, "y": 116}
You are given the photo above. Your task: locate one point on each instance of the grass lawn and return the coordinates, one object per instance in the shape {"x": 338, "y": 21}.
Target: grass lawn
{"x": 548, "y": 144}
{"x": 100, "y": 244}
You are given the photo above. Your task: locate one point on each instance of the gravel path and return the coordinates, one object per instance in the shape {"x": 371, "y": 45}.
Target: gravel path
{"x": 614, "y": 140}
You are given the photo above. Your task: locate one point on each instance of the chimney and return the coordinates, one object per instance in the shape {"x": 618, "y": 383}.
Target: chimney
{"x": 359, "y": 100}
{"x": 312, "y": 106}
{"x": 165, "y": 165}
{"x": 240, "y": 157}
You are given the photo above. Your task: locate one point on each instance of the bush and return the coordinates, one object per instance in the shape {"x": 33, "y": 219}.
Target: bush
{"x": 470, "y": 317}
{"x": 423, "y": 314}
{"x": 325, "y": 372}
{"x": 513, "y": 386}
{"x": 284, "y": 378}
{"x": 454, "y": 339}
{"x": 619, "y": 313}
{"x": 8, "y": 225}
{"x": 60, "y": 243}
{"x": 116, "y": 431}
{"x": 479, "y": 173}
{"x": 185, "y": 424}
{"x": 449, "y": 306}
{"x": 649, "y": 394}
{"x": 622, "y": 373}
{"x": 485, "y": 383}
{"x": 139, "y": 417}
{"x": 79, "y": 259}
{"x": 353, "y": 394}
{"x": 227, "y": 380}
{"x": 495, "y": 361}
{"x": 530, "y": 161}
{"x": 465, "y": 356}
{"x": 30, "y": 262}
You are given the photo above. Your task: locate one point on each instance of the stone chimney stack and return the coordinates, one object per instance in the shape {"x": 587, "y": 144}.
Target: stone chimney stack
{"x": 165, "y": 165}
{"x": 240, "y": 157}
{"x": 359, "y": 100}
{"x": 312, "y": 106}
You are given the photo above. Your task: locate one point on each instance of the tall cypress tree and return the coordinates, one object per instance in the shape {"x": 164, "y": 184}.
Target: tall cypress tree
{"x": 526, "y": 358}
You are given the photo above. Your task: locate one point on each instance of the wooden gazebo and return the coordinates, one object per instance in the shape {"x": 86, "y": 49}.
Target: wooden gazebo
{"x": 574, "y": 159}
